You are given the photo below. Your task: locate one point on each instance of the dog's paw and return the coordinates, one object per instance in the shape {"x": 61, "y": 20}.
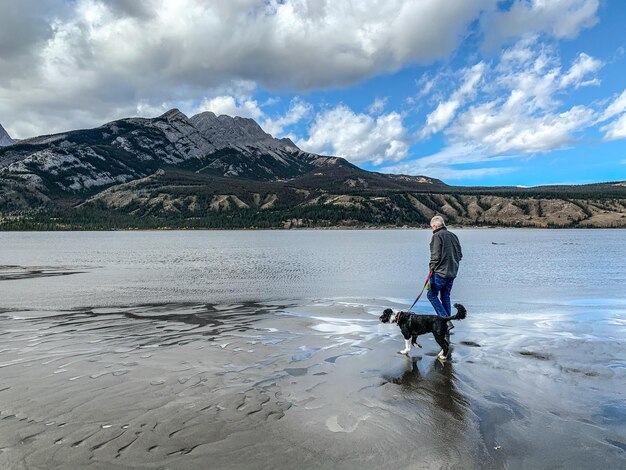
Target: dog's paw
{"x": 417, "y": 345}
{"x": 441, "y": 356}
{"x": 405, "y": 352}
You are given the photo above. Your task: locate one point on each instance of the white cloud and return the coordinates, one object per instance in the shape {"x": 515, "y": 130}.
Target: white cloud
{"x": 425, "y": 84}
{"x": 445, "y": 163}
{"x": 583, "y": 66}
{"x": 615, "y": 130}
{"x": 521, "y": 113}
{"x": 440, "y": 117}
{"x": 446, "y": 110}
{"x": 231, "y": 106}
{"x": 88, "y": 59}
{"x": 357, "y": 137}
{"x": 377, "y": 106}
{"x": 618, "y": 106}
{"x": 558, "y": 18}
{"x": 244, "y": 105}
{"x": 298, "y": 110}
{"x": 451, "y": 163}
{"x": 148, "y": 109}
{"x": 447, "y": 173}
{"x": 508, "y": 110}
{"x": 76, "y": 64}
{"x": 505, "y": 131}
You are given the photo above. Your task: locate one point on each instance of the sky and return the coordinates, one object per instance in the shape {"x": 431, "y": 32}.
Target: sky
{"x": 480, "y": 92}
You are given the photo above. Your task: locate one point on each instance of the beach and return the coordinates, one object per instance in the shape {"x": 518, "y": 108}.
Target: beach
{"x": 308, "y": 382}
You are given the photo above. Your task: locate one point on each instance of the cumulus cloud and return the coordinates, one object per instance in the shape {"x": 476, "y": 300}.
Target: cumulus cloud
{"x": 521, "y": 133}
{"x": 446, "y": 110}
{"x": 511, "y": 109}
{"x": 615, "y": 130}
{"x": 617, "y": 106}
{"x": 530, "y": 75}
{"x": 357, "y": 137}
{"x": 298, "y": 110}
{"x": 71, "y": 64}
{"x": 558, "y": 18}
{"x": 522, "y": 111}
{"x": 91, "y": 59}
{"x": 26, "y": 26}
{"x": 583, "y": 66}
{"x": 231, "y": 106}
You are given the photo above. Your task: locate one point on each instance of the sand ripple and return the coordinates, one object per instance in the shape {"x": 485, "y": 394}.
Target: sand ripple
{"x": 313, "y": 384}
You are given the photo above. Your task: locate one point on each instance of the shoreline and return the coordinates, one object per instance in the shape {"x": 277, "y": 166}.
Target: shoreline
{"x": 304, "y": 229}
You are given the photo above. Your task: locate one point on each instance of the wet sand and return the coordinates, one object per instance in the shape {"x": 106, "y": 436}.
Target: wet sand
{"x": 311, "y": 383}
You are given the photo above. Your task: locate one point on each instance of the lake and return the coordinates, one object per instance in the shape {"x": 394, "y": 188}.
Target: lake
{"x": 263, "y": 349}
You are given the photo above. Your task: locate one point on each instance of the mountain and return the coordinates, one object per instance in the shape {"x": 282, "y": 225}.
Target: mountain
{"x": 5, "y": 138}
{"x": 70, "y": 166}
{"x": 225, "y": 131}
{"x": 124, "y": 150}
{"x": 222, "y": 171}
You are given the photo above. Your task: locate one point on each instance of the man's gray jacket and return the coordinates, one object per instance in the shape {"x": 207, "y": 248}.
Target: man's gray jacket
{"x": 445, "y": 253}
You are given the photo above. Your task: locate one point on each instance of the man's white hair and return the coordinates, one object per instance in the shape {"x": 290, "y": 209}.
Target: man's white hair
{"x": 437, "y": 221}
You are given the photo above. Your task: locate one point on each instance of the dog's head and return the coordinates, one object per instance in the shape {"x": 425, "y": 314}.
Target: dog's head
{"x": 387, "y": 315}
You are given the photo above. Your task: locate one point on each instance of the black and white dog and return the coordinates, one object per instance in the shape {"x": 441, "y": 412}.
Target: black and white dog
{"x": 412, "y": 325}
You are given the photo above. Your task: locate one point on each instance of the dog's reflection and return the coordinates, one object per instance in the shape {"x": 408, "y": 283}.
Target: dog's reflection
{"x": 437, "y": 382}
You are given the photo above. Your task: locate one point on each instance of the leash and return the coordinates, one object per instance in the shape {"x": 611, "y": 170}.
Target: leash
{"x": 420, "y": 294}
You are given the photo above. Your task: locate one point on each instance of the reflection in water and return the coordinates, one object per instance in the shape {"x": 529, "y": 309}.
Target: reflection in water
{"x": 438, "y": 383}
{"x": 226, "y": 266}
{"x": 13, "y": 273}
{"x": 180, "y": 384}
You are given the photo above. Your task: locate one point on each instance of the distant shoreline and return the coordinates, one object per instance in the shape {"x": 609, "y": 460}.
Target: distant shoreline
{"x": 300, "y": 229}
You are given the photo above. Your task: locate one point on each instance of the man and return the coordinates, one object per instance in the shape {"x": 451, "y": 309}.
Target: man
{"x": 445, "y": 254}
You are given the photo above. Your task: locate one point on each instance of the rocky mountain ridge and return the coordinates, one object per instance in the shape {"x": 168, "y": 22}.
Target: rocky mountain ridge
{"x": 220, "y": 171}
{"x": 5, "y": 138}
{"x": 127, "y": 149}
{"x": 73, "y": 165}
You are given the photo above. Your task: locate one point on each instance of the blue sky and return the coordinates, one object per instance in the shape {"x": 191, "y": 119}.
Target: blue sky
{"x": 520, "y": 92}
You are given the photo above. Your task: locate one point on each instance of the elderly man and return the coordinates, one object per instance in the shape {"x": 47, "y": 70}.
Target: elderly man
{"x": 445, "y": 254}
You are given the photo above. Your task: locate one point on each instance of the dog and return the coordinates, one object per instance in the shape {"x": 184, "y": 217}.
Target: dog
{"x": 412, "y": 325}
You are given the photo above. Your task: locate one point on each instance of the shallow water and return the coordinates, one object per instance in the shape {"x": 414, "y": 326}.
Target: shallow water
{"x": 264, "y": 350}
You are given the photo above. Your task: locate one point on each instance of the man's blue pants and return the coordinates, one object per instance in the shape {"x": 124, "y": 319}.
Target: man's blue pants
{"x": 440, "y": 287}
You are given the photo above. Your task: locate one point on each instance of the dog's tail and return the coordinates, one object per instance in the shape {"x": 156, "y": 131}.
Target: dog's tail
{"x": 461, "y": 313}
